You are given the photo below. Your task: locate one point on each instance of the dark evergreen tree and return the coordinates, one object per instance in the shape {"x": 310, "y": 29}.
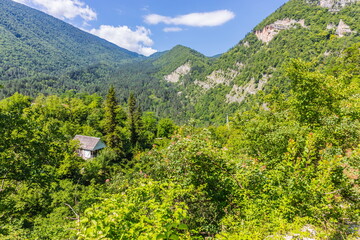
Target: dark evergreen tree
{"x": 112, "y": 117}
{"x": 138, "y": 119}
{"x": 111, "y": 108}
{"x": 135, "y": 121}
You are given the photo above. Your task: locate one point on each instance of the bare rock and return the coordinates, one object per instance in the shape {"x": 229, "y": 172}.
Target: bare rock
{"x": 220, "y": 77}
{"x": 327, "y": 53}
{"x": 333, "y": 5}
{"x": 181, "y": 71}
{"x": 343, "y": 29}
{"x": 239, "y": 93}
{"x": 270, "y": 31}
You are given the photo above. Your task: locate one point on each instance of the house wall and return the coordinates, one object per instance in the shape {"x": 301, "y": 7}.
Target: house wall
{"x": 85, "y": 154}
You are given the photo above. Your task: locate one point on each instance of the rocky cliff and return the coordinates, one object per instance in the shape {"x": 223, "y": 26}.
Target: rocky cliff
{"x": 270, "y": 31}
{"x": 181, "y": 71}
{"x": 333, "y": 5}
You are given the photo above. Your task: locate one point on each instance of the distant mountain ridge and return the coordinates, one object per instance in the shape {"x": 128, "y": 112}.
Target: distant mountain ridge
{"x": 179, "y": 83}
{"x": 32, "y": 41}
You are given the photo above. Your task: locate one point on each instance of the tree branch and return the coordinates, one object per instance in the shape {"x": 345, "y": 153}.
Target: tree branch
{"x": 77, "y": 215}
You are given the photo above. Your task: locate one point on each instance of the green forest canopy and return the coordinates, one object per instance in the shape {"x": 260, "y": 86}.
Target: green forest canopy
{"x": 289, "y": 168}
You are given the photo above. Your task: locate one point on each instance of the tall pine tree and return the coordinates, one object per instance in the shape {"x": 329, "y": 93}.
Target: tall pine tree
{"x": 135, "y": 122}
{"x": 114, "y": 117}
{"x": 111, "y": 109}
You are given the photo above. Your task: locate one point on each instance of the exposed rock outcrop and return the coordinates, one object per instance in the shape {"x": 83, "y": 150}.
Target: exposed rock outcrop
{"x": 270, "y": 31}
{"x": 334, "y": 5}
{"x": 220, "y": 77}
{"x": 343, "y": 29}
{"x": 239, "y": 93}
{"x": 181, "y": 71}
{"x": 330, "y": 26}
{"x": 217, "y": 77}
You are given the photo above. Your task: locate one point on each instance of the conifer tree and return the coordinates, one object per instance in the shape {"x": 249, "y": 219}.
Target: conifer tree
{"x": 135, "y": 123}
{"x": 112, "y": 122}
{"x": 111, "y": 108}
{"x": 138, "y": 119}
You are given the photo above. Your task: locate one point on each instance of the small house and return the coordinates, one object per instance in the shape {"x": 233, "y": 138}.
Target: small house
{"x": 89, "y": 146}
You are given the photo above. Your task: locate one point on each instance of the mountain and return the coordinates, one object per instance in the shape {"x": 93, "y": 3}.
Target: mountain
{"x": 41, "y": 54}
{"x": 180, "y": 83}
{"x": 158, "y": 80}
{"x": 311, "y": 30}
{"x": 286, "y": 166}
{"x": 32, "y": 42}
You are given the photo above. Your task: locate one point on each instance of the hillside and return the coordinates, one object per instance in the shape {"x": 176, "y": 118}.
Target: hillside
{"x": 284, "y": 165}
{"x": 180, "y": 83}
{"x": 32, "y": 42}
{"x": 41, "y": 54}
{"x": 310, "y": 30}
{"x": 157, "y": 81}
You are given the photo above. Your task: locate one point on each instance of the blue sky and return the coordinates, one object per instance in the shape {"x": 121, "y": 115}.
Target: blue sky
{"x": 147, "y": 26}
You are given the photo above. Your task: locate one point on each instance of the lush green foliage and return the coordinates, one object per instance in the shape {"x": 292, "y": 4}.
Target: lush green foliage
{"x": 286, "y": 164}
{"x": 151, "y": 210}
{"x": 42, "y": 178}
{"x": 272, "y": 171}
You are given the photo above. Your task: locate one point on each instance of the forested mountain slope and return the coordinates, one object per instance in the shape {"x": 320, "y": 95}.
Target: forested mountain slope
{"x": 41, "y": 54}
{"x": 32, "y": 42}
{"x": 157, "y": 81}
{"x": 180, "y": 83}
{"x": 310, "y": 30}
{"x": 146, "y": 78}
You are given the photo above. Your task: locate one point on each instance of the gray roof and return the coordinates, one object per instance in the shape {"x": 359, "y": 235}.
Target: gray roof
{"x": 90, "y": 143}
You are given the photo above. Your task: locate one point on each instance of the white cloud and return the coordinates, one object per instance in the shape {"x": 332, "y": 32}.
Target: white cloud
{"x": 206, "y": 19}
{"x": 173, "y": 29}
{"x": 63, "y": 9}
{"x": 135, "y": 41}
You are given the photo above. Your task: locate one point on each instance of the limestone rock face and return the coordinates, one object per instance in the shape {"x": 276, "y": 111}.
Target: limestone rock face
{"x": 239, "y": 93}
{"x": 175, "y": 76}
{"x": 217, "y": 77}
{"x": 246, "y": 44}
{"x": 334, "y": 5}
{"x": 220, "y": 77}
{"x": 343, "y": 29}
{"x": 270, "y": 31}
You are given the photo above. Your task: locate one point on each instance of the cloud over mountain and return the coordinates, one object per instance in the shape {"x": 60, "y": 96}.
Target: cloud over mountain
{"x": 138, "y": 41}
{"x": 205, "y": 19}
{"x": 63, "y": 9}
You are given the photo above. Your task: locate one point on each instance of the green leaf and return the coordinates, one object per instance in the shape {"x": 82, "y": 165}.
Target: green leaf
{"x": 183, "y": 227}
{"x": 161, "y": 236}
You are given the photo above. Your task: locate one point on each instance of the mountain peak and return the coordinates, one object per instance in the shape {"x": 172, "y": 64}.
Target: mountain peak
{"x": 179, "y": 54}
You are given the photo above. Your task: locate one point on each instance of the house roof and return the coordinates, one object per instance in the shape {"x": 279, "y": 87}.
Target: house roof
{"x": 90, "y": 143}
